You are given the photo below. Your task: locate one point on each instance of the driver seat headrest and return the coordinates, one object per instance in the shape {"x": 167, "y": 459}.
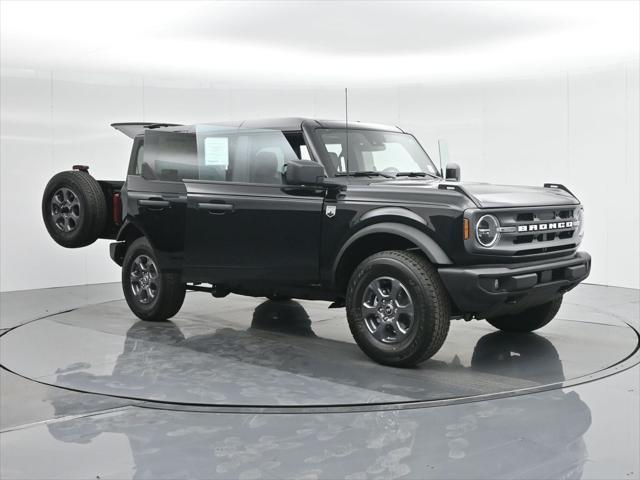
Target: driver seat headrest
{"x": 265, "y": 169}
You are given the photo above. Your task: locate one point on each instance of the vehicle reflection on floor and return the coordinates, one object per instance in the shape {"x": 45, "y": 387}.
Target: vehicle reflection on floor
{"x": 279, "y": 360}
{"x": 531, "y": 436}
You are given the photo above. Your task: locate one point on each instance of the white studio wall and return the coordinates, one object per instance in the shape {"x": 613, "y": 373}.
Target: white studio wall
{"x": 580, "y": 128}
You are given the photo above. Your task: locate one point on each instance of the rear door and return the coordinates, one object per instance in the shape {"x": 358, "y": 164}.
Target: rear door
{"x": 244, "y": 225}
{"x": 156, "y": 194}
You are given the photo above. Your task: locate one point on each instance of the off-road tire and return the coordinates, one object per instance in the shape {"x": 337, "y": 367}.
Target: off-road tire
{"x": 170, "y": 290}
{"x": 88, "y": 222}
{"x": 528, "y": 320}
{"x": 431, "y": 305}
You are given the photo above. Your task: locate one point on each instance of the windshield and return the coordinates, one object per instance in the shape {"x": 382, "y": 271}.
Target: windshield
{"x": 374, "y": 153}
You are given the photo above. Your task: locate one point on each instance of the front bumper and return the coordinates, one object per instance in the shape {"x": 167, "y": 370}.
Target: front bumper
{"x": 499, "y": 290}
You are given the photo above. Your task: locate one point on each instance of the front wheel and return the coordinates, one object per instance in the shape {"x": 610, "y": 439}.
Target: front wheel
{"x": 398, "y": 309}
{"x": 528, "y": 320}
{"x": 151, "y": 294}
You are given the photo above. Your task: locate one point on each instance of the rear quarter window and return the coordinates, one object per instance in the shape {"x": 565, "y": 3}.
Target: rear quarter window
{"x": 169, "y": 156}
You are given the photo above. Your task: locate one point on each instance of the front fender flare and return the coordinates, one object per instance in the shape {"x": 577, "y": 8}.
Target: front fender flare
{"x": 397, "y": 212}
{"x": 424, "y": 242}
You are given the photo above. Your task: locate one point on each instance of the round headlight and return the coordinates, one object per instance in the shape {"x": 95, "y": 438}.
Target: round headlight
{"x": 487, "y": 230}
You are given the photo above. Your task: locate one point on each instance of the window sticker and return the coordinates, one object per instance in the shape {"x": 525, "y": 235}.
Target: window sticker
{"x": 216, "y": 151}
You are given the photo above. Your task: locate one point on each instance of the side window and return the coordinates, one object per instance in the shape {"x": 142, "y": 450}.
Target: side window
{"x": 215, "y": 163}
{"x": 139, "y": 159}
{"x": 169, "y": 156}
{"x": 218, "y": 154}
{"x": 304, "y": 153}
{"x": 268, "y": 153}
{"x": 243, "y": 155}
{"x": 296, "y": 140}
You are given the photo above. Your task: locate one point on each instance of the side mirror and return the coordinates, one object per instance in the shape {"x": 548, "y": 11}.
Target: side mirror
{"x": 453, "y": 172}
{"x": 303, "y": 172}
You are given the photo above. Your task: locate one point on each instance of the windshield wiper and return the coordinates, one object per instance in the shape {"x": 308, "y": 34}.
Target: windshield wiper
{"x": 411, "y": 174}
{"x": 365, "y": 173}
{"x": 415, "y": 174}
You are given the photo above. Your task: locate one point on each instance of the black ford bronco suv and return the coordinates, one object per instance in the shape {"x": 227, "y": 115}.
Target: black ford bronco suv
{"x": 352, "y": 213}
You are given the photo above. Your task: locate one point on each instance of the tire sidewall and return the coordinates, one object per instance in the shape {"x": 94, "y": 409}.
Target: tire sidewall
{"x": 92, "y": 203}
{"x": 422, "y": 329}
{"x": 64, "y": 238}
{"x": 142, "y": 310}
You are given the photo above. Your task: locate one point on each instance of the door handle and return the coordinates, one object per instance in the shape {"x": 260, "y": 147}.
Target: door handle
{"x": 153, "y": 203}
{"x": 216, "y": 207}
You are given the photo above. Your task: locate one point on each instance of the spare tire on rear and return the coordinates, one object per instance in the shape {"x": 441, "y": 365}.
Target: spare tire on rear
{"x": 74, "y": 209}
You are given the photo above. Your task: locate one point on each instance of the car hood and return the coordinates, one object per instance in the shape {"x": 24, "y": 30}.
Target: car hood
{"x": 487, "y": 195}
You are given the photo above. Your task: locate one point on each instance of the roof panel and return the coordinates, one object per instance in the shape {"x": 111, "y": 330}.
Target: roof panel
{"x": 132, "y": 129}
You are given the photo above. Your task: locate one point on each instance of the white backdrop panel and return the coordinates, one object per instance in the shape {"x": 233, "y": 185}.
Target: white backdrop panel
{"x": 578, "y": 128}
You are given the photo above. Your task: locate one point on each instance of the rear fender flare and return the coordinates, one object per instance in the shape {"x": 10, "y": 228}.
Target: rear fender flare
{"x": 128, "y": 232}
{"x": 128, "y": 227}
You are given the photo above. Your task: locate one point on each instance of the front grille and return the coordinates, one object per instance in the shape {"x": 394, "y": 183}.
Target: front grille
{"x": 536, "y": 230}
{"x": 538, "y": 218}
{"x": 542, "y": 237}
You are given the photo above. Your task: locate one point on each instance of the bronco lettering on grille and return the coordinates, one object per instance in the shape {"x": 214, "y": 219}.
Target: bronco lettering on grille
{"x": 546, "y": 226}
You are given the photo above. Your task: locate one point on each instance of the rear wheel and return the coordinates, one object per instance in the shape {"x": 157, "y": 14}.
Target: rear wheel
{"x": 151, "y": 294}
{"x": 528, "y": 320}
{"x": 398, "y": 309}
{"x": 74, "y": 209}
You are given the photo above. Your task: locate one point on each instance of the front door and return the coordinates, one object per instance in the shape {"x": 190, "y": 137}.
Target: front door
{"x": 244, "y": 226}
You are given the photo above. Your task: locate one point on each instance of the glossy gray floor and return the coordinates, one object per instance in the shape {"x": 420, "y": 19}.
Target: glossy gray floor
{"x": 262, "y": 390}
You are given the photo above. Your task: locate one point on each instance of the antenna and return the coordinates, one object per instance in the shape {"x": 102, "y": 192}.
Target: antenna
{"x": 346, "y": 127}
{"x": 443, "y": 153}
